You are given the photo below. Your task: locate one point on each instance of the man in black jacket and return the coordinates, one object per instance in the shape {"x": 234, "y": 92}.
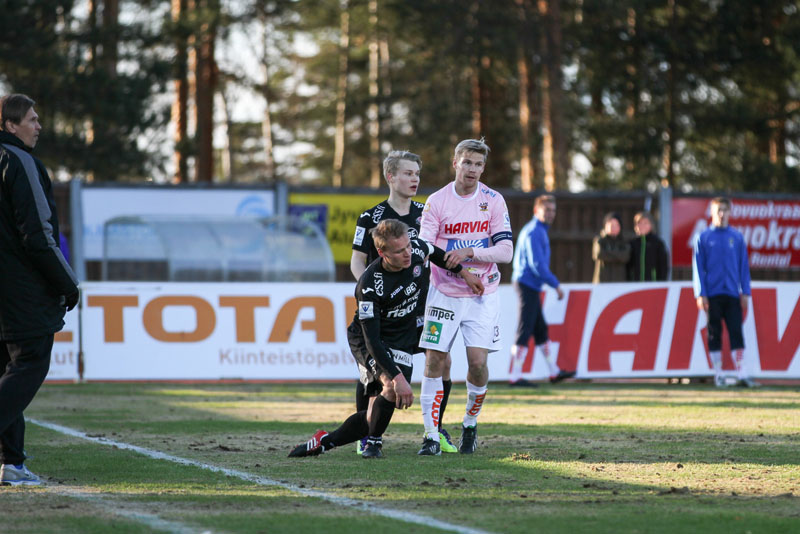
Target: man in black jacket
{"x": 37, "y": 286}
{"x": 649, "y": 261}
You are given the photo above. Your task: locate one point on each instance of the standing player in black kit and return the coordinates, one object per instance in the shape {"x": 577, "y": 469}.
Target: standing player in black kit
{"x": 383, "y": 335}
{"x": 402, "y": 172}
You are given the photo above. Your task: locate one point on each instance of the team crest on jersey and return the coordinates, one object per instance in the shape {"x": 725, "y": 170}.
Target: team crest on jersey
{"x": 366, "y": 310}
{"x": 484, "y": 206}
{"x": 359, "y": 237}
{"x": 417, "y": 271}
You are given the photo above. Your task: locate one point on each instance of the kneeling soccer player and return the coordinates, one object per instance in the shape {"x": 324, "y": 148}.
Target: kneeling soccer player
{"x": 383, "y": 335}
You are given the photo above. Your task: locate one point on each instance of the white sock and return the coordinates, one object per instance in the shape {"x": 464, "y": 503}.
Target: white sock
{"x": 430, "y": 399}
{"x": 716, "y": 362}
{"x": 549, "y": 358}
{"x": 738, "y": 360}
{"x": 518, "y": 355}
{"x": 475, "y": 396}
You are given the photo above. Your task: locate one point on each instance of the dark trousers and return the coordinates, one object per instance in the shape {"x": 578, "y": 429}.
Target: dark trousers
{"x": 25, "y": 363}
{"x": 728, "y": 309}
{"x": 531, "y": 319}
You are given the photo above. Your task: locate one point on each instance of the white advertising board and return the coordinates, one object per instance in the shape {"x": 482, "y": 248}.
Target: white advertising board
{"x": 268, "y": 331}
{"x": 101, "y": 204}
{"x": 64, "y": 358}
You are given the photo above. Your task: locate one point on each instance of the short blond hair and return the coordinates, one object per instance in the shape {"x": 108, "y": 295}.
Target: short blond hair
{"x": 472, "y": 145}
{"x": 387, "y": 230}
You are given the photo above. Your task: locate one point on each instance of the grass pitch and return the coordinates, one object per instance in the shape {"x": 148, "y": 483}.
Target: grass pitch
{"x": 621, "y": 458}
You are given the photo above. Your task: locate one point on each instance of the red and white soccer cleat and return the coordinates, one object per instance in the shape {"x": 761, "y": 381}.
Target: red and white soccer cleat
{"x": 312, "y": 447}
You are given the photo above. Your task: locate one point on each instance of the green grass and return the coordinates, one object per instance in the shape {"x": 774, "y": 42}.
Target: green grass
{"x": 621, "y": 458}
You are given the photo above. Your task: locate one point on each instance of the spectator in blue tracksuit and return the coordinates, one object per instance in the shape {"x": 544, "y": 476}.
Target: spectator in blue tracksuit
{"x": 721, "y": 275}
{"x": 531, "y": 272}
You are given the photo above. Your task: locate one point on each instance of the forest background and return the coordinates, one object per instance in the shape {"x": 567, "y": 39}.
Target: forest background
{"x": 699, "y": 95}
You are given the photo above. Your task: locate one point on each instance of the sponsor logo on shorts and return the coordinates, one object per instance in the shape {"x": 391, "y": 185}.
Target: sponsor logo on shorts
{"x": 366, "y": 310}
{"x": 440, "y": 313}
{"x": 494, "y": 277}
{"x": 403, "y": 358}
{"x": 432, "y": 332}
{"x": 496, "y": 334}
{"x": 359, "y": 237}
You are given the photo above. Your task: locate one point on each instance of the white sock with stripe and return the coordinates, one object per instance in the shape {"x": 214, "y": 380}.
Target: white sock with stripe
{"x": 430, "y": 400}
{"x": 475, "y": 397}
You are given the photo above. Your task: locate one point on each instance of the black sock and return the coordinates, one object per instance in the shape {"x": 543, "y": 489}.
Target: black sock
{"x": 382, "y": 411}
{"x": 362, "y": 401}
{"x": 447, "y": 386}
{"x": 354, "y": 428}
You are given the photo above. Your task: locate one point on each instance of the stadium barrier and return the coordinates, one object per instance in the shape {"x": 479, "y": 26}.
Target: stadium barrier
{"x": 297, "y": 331}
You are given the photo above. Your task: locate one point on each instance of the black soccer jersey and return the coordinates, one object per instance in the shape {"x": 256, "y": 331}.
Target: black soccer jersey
{"x": 362, "y": 240}
{"x": 389, "y": 303}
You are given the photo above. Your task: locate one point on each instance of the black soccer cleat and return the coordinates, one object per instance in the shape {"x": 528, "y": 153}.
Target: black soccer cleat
{"x": 312, "y": 447}
{"x": 469, "y": 439}
{"x": 373, "y": 449}
{"x": 430, "y": 447}
{"x": 562, "y": 375}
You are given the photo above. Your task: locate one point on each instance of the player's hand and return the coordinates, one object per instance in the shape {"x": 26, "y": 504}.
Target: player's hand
{"x": 744, "y": 299}
{"x": 402, "y": 390}
{"x": 457, "y": 256}
{"x": 560, "y": 293}
{"x": 472, "y": 281}
{"x": 702, "y": 303}
{"x": 71, "y": 300}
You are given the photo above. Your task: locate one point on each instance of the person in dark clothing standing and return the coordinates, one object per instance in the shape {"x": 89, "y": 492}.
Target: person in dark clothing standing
{"x": 37, "y": 286}
{"x": 649, "y": 256}
{"x": 610, "y": 251}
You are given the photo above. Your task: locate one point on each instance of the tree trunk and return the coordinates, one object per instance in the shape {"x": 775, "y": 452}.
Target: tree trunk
{"x": 554, "y": 151}
{"x": 205, "y": 88}
{"x": 266, "y": 123}
{"x": 180, "y": 117}
{"x": 341, "y": 94}
{"x": 373, "y": 111}
{"x": 667, "y": 163}
{"x": 227, "y": 150}
{"x": 525, "y": 166}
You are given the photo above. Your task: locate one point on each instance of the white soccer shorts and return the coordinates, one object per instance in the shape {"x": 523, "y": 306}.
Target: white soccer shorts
{"x": 477, "y": 317}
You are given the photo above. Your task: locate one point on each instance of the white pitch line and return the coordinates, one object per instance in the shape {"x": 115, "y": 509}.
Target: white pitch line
{"x": 112, "y": 506}
{"x": 408, "y": 517}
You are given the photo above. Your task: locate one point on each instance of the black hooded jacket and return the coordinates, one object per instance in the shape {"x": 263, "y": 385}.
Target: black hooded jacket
{"x": 34, "y": 276}
{"x": 649, "y": 259}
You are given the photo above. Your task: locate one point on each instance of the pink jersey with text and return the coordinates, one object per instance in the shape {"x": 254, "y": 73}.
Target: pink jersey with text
{"x": 450, "y": 221}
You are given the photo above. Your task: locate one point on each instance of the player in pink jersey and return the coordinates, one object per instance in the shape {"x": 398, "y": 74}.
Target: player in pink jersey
{"x": 470, "y": 221}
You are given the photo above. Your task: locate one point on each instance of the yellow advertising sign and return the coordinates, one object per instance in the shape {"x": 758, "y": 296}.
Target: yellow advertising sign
{"x": 336, "y": 215}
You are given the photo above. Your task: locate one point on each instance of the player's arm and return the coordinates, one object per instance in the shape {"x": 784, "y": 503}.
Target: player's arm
{"x": 358, "y": 263}
{"x": 31, "y": 217}
{"x": 699, "y": 275}
{"x": 501, "y": 249}
{"x": 437, "y": 257}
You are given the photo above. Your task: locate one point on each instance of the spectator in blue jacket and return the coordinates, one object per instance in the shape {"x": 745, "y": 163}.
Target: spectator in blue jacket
{"x": 721, "y": 275}
{"x": 531, "y": 272}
